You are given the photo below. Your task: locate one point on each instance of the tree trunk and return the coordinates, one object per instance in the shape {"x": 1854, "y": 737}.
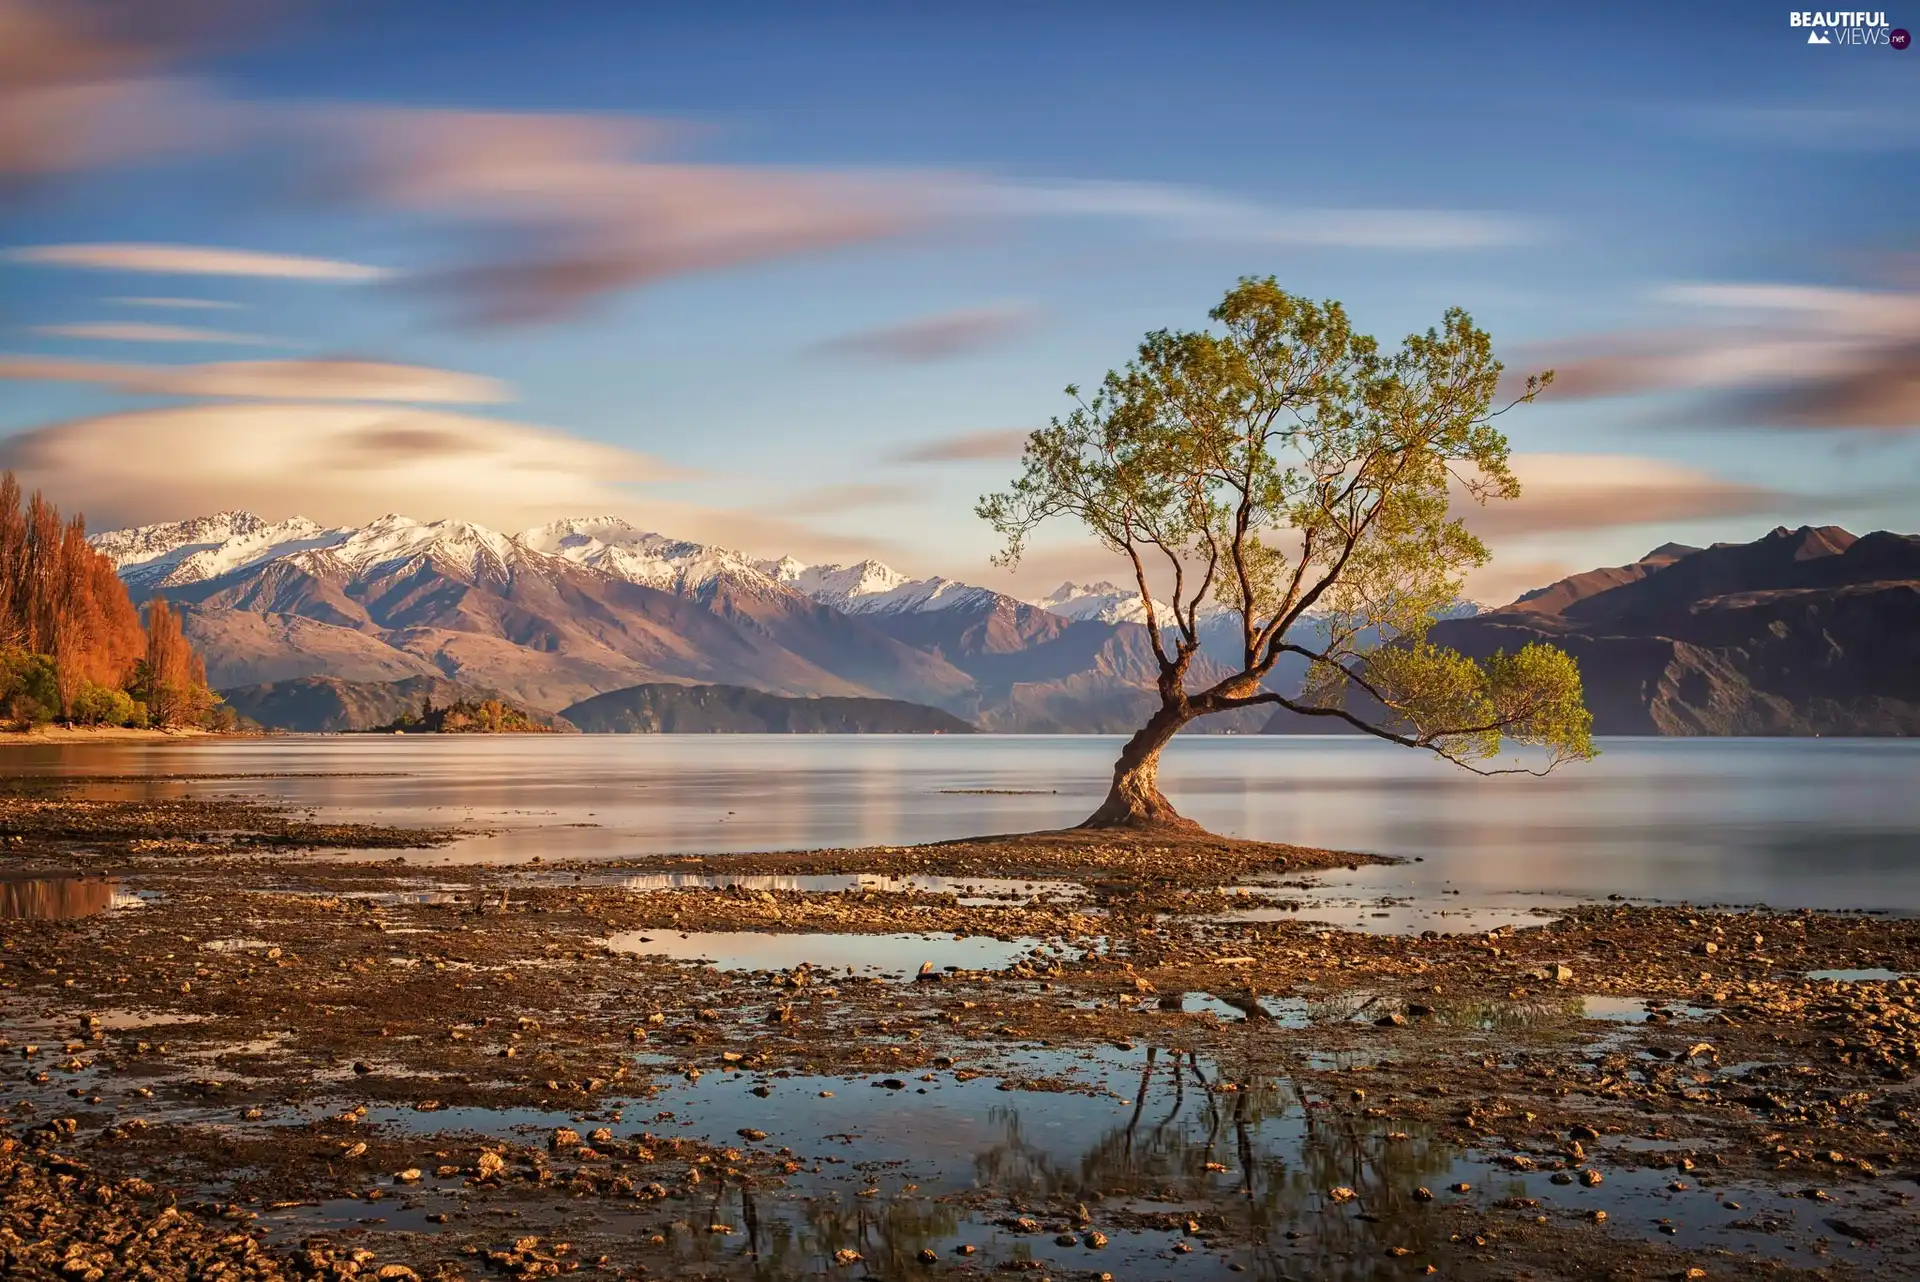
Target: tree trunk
{"x": 1135, "y": 799}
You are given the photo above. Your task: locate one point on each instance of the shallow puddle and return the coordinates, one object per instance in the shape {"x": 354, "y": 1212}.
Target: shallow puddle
{"x": 900, "y": 955}
{"x": 1137, "y": 1143}
{"x": 1870, "y": 975}
{"x": 969, "y": 890}
{"x": 56, "y": 898}
{"x": 1383, "y": 916}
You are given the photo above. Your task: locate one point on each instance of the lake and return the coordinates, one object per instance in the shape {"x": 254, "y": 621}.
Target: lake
{"x": 1826, "y": 823}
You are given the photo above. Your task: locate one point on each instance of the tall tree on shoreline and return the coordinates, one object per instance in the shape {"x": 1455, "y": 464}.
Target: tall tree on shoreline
{"x": 67, "y": 626}
{"x": 1285, "y": 465}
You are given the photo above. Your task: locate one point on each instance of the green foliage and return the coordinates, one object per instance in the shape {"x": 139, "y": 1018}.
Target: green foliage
{"x": 98, "y": 705}
{"x": 1283, "y": 463}
{"x": 29, "y": 688}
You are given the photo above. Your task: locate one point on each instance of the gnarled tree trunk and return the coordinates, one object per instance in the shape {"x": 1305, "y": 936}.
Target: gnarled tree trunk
{"x": 1135, "y": 799}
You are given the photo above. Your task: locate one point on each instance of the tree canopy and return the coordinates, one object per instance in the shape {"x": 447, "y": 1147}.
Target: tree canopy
{"x": 1282, "y": 469}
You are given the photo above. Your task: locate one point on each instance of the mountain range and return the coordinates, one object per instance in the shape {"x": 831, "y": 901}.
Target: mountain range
{"x": 564, "y": 611}
{"x": 1808, "y": 631}
{"x": 1812, "y": 631}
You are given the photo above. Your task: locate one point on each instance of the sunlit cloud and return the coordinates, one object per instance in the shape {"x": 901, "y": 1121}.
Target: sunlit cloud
{"x": 335, "y": 463}
{"x": 934, "y": 338}
{"x": 1775, "y": 355}
{"x": 325, "y": 380}
{"x": 969, "y": 447}
{"x": 183, "y": 304}
{"x": 192, "y": 260}
{"x": 1566, "y": 493}
{"x": 142, "y": 332}
{"x": 85, "y": 84}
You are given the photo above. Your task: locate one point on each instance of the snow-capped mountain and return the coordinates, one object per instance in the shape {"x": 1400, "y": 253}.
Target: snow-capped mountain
{"x": 624, "y": 551}
{"x": 1106, "y": 602}
{"x": 587, "y": 605}
{"x": 180, "y": 552}
{"x": 873, "y": 588}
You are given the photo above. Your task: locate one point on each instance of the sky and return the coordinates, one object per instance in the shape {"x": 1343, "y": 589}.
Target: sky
{"x": 797, "y": 279}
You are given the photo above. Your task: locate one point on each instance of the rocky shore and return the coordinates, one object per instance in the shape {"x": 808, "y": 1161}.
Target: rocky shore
{"x": 261, "y": 1062}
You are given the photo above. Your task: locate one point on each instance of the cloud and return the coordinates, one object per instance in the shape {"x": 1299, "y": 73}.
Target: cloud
{"x": 84, "y": 83}
{"x": 193, "y": 260}
{"x": 1826, "y": 127}
{"x": 569, "y": 208}
{"x": 188, "y": 304}
{"x": 320, "y": 380}
{"x": 1579, "y": 493}
{"x": 934, "y": 338}
{"x": 1208, "y": 215}
{"x": 141, "y": 332}
{"x": 968, "y": 447}
{"x": 1773, "y": 355}
{"x": 827, "y": 500}
{"x": 330, "y": 462}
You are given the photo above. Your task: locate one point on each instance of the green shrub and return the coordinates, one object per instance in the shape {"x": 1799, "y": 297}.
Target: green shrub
{"x": 29, "y": 693}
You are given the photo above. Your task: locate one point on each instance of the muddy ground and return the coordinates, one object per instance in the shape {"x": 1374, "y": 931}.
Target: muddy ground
{"x": 253, "y": 1061}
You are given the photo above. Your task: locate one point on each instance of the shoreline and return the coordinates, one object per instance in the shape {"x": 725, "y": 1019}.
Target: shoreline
{"x": 219, "y": 1044}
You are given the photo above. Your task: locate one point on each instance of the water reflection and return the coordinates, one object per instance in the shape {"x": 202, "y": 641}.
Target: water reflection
{"x": 1819, "y": 823}
{"x": 56, "y": 898}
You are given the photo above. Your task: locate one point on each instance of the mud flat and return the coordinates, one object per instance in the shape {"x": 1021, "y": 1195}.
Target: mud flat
{"x": 1045, "y": 1057}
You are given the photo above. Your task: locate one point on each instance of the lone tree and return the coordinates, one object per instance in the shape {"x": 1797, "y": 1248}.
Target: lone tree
{"x": 1279, "y": 471}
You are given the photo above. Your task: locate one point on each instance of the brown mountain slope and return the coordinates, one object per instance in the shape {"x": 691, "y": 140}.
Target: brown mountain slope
{"x": 1801, "y": 632}
{"x": 546, "y": 630}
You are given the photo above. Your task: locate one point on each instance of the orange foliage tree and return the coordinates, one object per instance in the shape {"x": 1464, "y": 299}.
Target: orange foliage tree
{"x": 71, "y": 644}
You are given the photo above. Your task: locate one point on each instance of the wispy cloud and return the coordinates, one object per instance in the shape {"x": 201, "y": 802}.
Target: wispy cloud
{"x": 193, "y": 260}
{"x": 141, "y": 332}
{"x": 332, "y": 462}
{"x": 827, "y": 500}
{"x": 85, "y": 84}
{"x": 1581, "y": 493}
{"x": 183, "y": 304}
{"x": 1826, "y": 126}
{"x": 1776, "y": 355}
{"x": 934, "y": 338}
{"x": 1210, "y": 215}
{"x": 969, "y": 447}
{"x": 319, "y": 380}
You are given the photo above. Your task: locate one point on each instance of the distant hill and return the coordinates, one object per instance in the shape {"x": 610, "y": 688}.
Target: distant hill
{"x": 317, "y": 705}
{"x": 1802, "y": 632}
{"x": 661, "y": 708}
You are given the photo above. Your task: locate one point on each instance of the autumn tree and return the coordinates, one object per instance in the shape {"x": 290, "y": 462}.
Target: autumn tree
{"x": 61, "y": 601}
{"x": 1282, "y": 466}
{"x": 172, "y": 680}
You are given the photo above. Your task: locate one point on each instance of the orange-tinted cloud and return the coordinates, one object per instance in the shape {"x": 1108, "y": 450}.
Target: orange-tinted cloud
{"x": 933, "y": 338}
{"x": 969, "y": 447}
{"x": 193, "y": 260}
{"x": 318, "y": 380}
{"x": 1566, "y": 493}
{"x": 1775, "y": 355}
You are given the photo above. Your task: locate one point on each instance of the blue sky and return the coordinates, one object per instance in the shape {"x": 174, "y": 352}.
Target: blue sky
{"x": 932, "y": 218}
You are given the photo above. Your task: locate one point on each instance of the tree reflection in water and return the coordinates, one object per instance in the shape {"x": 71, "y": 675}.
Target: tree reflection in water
{"x": 1253, "y": 1158}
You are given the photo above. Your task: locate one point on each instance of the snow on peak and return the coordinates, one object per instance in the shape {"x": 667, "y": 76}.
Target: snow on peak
{"x": 617, "y": 548}
{"x": 393, "y": 539}
{"x": 180, "y": 552}
{"x": 1106, "y": 602}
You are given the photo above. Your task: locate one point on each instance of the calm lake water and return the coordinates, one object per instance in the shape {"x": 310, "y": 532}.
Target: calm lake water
{"x": 1827, "y": 823}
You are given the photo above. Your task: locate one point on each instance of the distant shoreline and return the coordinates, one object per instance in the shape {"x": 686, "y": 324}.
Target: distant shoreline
{"x": 111, "y": 734}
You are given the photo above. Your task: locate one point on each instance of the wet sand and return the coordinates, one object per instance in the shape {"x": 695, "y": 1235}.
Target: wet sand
{"x": 1076, "y": 1059}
